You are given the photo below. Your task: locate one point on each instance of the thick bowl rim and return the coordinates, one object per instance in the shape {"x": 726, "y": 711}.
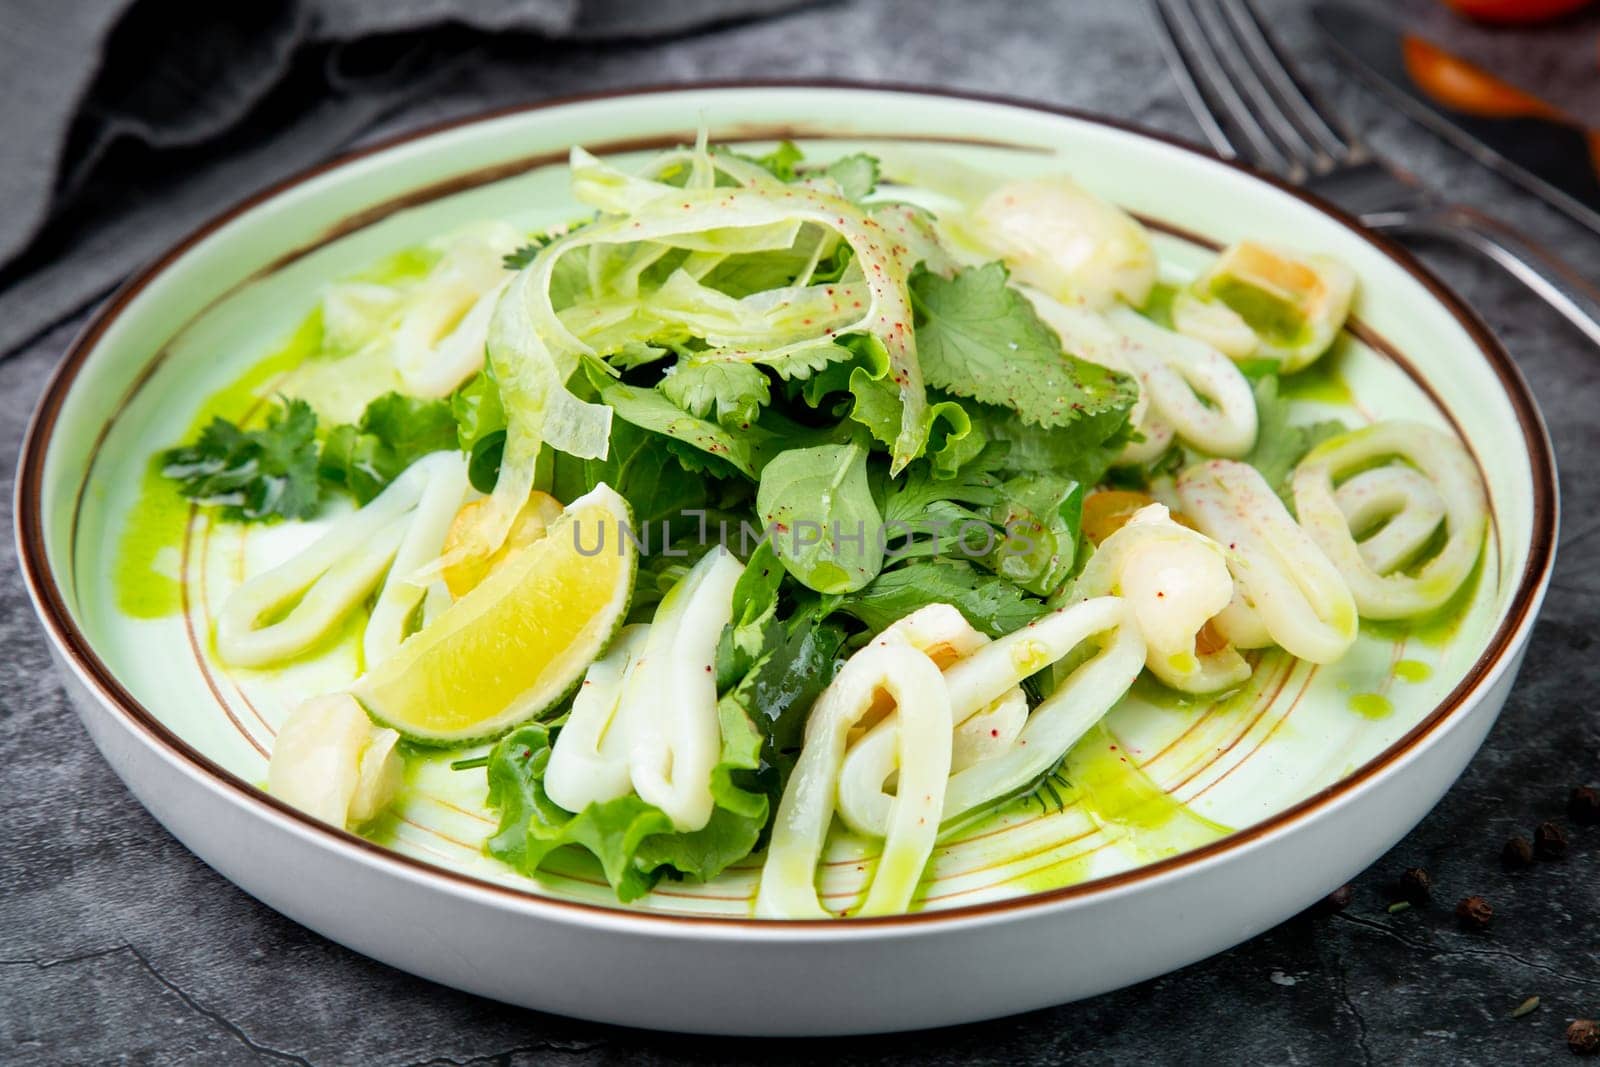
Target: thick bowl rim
{"x": 50, "y": 603}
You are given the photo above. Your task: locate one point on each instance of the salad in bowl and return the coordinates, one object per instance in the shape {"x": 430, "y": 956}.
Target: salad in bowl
{"x": 763, "y": 527}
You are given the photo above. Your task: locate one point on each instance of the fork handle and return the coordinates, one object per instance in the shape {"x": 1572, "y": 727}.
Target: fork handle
{"x": 1541, "y": 270}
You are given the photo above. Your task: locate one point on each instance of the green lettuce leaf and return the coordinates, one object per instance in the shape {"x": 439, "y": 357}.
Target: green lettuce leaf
{"x": 633, "y": 841}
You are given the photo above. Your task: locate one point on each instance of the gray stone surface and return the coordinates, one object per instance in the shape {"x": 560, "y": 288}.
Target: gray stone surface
{"x": 117, "y": 945}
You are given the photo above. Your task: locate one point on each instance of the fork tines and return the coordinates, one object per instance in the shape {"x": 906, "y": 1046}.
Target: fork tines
{"x": 1251, "y": 103}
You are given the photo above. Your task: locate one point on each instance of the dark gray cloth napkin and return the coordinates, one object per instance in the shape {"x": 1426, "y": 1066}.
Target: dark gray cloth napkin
{"x": 127, "y": 122}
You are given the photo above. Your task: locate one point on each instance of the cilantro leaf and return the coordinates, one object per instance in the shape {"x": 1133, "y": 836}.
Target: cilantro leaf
{"x": 978, "y": 337}
{"x": 755, "y": 609}
{"x": 1083, "y": 451}
{"x": 253, "y": 475}
{"x": 1280, "y": 446}
{"x": 735, "y": 391}
{"x": 856, "y": 174}
{"x": 527, "y": 253}
{"x": 394, "y": 431}
{"x": 780, "y": 162}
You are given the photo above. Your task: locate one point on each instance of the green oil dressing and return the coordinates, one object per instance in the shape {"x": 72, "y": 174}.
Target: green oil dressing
{"x": 1321, "y": 382}
{"x": 145, "y": 576}
{"x": 1436, "y": 628}
{"x": 1125, "y": 802}
{"x": 148, "y": 557}
{"x": 407, "y": 265}
{"x": 1371, "y": 705}
{"x": 1412, "y": 670}
{"x": 1158, "y": 305}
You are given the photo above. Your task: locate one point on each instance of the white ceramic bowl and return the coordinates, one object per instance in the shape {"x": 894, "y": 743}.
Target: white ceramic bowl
{"x": 1011, "y": 952}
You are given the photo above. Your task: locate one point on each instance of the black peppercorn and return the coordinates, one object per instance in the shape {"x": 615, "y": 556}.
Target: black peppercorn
{"x": 1474, "y": 913}
{"x": 1338, "y": 900}
{"x": 1415, "y": 885}
{"x": 1517, "y": 854}
{"x": 1549, "y": 841}
{"x": 1584, "y": 806}
{"x": 1583, "y": 1037}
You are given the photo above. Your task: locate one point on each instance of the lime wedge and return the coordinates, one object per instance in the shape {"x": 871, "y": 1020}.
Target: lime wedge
{"x": 516, "y": 644}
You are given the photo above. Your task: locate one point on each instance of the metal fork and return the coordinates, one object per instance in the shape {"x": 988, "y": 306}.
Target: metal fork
{"x": 1253, "y": 106}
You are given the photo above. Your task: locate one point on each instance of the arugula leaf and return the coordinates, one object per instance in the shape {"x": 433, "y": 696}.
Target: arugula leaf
{"x": 857, "y": 175}
{"x": 755, "y": 610}
{"x": 1280, "y": 446}
{"x": 990, "y": 603}
{"x": 825, "y": 527}
{"x": 735, "y": 391}
{"x": 800, "y": 658}
{"x": 253, "y": 475}
{"x": 978, "y": 337}
{"x": 634, "y": 841}
{"x": 394, "y": 431}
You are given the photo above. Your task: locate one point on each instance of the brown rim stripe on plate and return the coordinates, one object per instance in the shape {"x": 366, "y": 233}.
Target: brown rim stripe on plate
{"x": 53, "y": 610}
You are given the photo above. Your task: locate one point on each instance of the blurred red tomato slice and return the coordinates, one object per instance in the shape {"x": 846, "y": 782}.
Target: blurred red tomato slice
{"x": 1515, "y": 10}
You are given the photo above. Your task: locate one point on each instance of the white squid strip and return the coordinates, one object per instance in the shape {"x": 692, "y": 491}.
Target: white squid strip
{"x": 1215, "y": 323}
{"x": 1440, "y": 458}
{"x": 669, "y": 705}
{"x": 424, "y": 537}
{"x": 440, "y": 340}
{"x": 1087, "y": 335}
{"x": 1286, "y": 588}
{"x": 1079, "y": 700}
{"x": 1406, "y": 505}
{"x": 589, "y": 763}
{"x": 332, "y": 763}
{"x": 1195, "y": 388}
{"x": 1174, "y": 580}
{"x": 788, "y": 880}
{"x": 943, "y": 634}
{"x": 328, "y": 580}
{"x": 1187, "y": 388}
{"x": 983, "y": 683}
